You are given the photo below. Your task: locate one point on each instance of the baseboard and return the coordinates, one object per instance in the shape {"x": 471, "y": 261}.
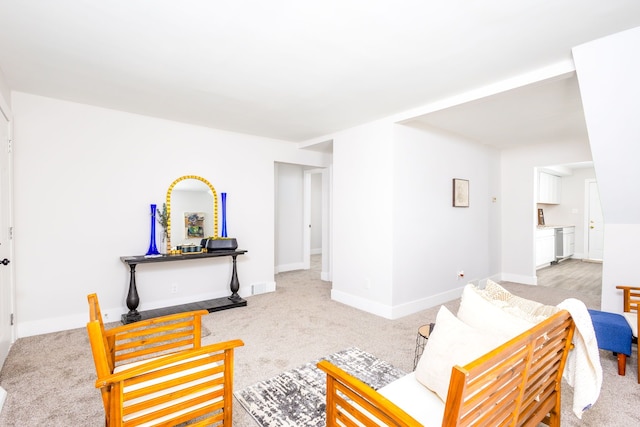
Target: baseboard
{"x": 412, "y": 307}
{"x": 289, "y": 267}
{"x": 74, "y": 321}
{"x": 363, "y": 304}
{"x": 397, "y": 311}
{"x": 325, "y": 276}
{"x": 517, "y": 278}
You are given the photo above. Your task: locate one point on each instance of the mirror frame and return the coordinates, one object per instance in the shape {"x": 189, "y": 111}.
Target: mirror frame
{"x": 168, "y": 201}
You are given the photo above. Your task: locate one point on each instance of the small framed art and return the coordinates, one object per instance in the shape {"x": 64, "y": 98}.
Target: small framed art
{"x": 460, "y": 193}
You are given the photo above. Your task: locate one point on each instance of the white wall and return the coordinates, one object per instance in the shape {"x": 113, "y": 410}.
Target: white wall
{"x": 398, "y": 242}
{"x": 519, "y": 214}
{"x": 362, "y": 217}
{"x": 432, "y": 240}
{"x": 608, "y": 71}
{"x": 5, "y": 93}
{"x": 84, "y": 179}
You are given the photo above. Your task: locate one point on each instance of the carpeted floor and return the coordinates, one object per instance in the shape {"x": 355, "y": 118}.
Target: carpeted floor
{"x": 50, "y": 378}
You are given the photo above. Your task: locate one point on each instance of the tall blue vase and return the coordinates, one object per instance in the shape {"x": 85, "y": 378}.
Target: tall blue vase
{"x": 223, "y": 196}
{"x": 153, "y": 249}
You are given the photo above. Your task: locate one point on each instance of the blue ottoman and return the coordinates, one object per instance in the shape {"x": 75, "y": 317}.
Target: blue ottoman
{"x": 613, "y": 333}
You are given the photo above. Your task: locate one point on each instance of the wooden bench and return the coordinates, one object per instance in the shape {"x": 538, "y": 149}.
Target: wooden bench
{"x": 516, "y": 384}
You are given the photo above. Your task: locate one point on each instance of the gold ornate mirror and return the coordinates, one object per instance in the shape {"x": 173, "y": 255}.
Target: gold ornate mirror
{"x": 189, "y": 202}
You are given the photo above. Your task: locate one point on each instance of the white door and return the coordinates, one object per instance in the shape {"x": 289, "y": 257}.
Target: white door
{"x": 595, "y": 223}
{"x": 6, "y": 268}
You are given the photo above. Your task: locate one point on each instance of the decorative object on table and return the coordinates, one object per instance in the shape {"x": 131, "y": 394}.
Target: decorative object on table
{"x": 162, "y": 220}
{"x": 297, "y": 397}
{"x": 193, "y": 225}
{"x": 223, "y": 198}
{"x": 460, "y": 193}
{"x": 219, "y": 244}
{"x": 189, "y": 179}
{"x": 540, "y": 217}
{"x": 190, "y": 249}
{"x": 153, "y": 249}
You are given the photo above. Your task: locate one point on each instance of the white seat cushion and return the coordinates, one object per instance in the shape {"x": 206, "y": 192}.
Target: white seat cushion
{"x": 632, "y": 320}
{"x": 415, "y": 399}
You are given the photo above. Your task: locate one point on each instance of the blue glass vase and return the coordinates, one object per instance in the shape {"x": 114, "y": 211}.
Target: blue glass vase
{"x": 223, "y": 196}
{"x": 153, "y": 249}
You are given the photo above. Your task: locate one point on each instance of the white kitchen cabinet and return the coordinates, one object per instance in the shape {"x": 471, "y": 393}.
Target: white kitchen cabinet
{"x": 545, "y": 246}
{"x": 568, "y": 241}
{"x": 549, "y": 188}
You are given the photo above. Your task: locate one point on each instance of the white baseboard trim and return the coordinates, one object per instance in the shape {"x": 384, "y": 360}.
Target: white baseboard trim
{"x": 363, "y": 304}
{"x": 517, "y": 278}
{"x": 289, "y": 267}
{"x": 325, "y": 276}
{"x": 109, "y": 315}
{"x": 316, "y": 251}
{"x": 412, "y": 307}
{"x": 398, "y": 311}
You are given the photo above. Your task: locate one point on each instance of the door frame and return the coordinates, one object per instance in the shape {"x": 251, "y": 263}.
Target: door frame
{"x": 325, "y": 222}
{"x": 9, "y": 292}
{"x": 587, "y": 211}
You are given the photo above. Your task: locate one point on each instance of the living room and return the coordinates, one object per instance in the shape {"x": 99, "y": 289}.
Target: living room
{"x": 84, "y": 176}
{"x": 98, "y": 169}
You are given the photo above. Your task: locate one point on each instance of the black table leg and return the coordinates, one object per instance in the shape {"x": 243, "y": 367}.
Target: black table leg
{"x": 235, "y": 283}
{"x": 133, "y": 300}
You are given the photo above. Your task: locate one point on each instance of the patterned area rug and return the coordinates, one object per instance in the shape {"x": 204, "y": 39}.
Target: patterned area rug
{"x": 297, "y": 398}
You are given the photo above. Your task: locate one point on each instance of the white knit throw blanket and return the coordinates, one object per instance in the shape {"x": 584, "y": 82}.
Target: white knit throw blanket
{"x": 582, "y": 371}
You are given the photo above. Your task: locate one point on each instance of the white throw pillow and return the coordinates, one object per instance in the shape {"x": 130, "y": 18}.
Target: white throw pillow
{"x": 481, "y": 313}
{"x": 452, "y": 342}
{"x": 529, "y": 310}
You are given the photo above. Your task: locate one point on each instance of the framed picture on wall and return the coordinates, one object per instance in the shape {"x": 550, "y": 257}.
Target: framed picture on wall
{"x": 193, "y": 225}
{"x": 460, "y": 193}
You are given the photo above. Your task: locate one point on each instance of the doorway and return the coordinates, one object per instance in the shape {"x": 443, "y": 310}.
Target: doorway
{"x": 296, "y": 187}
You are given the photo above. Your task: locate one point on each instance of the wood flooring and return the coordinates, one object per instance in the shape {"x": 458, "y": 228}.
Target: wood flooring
{"x": 573, "y": 274}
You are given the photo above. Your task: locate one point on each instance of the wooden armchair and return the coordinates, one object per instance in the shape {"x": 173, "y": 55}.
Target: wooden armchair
{"x": 155, "y": 372}
{"x": 631, "y": 302}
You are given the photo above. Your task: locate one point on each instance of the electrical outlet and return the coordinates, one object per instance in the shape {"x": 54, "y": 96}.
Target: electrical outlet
{"x": 367, "y": 284}
{"x": 174, "y": 289}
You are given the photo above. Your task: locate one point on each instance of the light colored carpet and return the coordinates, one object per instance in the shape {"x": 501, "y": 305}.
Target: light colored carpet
{"x": 50, "y": 378}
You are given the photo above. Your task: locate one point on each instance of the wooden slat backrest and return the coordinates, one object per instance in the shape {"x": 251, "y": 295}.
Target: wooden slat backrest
{"x": 517, "y": 383}
{"x": 631, "y": 298}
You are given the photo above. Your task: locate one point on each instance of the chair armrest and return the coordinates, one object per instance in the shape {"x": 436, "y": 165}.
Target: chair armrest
{"x": 631, "y": 288}
{"x": 222, "y": 349}
{"x": 348, "y": 397}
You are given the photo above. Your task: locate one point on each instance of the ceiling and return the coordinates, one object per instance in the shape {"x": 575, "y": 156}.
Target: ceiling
{"x": 300, "y": 71}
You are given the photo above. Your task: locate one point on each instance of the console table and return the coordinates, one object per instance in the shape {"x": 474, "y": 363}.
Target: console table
{"x": 133, "y": 300}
